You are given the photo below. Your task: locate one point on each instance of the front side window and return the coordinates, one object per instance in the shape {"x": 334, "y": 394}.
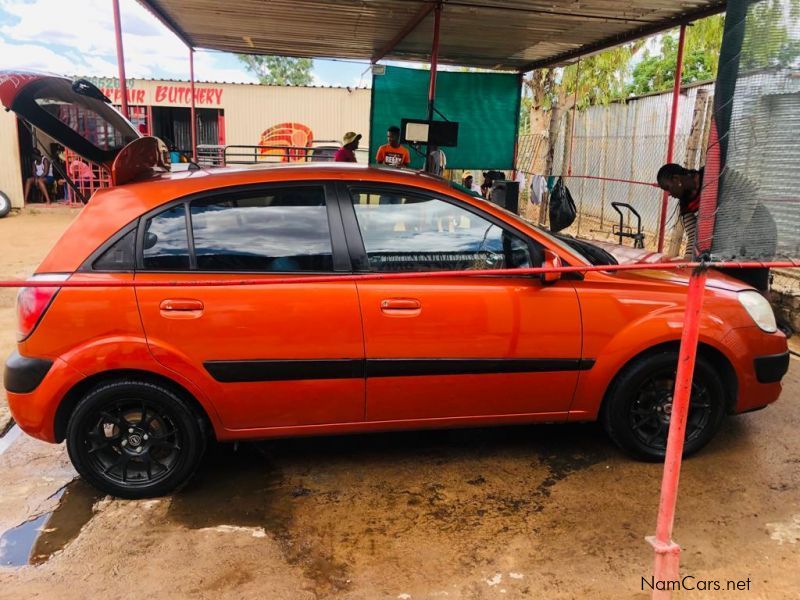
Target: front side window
{"x": 409, "y": 232}
{"x": 276, "y": 230}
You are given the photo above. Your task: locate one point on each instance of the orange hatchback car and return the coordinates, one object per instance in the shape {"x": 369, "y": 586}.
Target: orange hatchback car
{"x": 138, "y": 378}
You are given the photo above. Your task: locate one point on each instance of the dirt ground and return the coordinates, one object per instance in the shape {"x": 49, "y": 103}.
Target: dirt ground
{"x": 524, "y": 512}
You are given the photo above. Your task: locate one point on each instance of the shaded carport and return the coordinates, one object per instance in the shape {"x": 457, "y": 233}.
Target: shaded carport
{"x": 509, "y": 35}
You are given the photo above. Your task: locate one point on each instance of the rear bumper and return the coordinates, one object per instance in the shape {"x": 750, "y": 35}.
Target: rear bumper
{"x": 35, "y": 410}
{"x": 23, "y": 375}
{"x": 771, "y": 368}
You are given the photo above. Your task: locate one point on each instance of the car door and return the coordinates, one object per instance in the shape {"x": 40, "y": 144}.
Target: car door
{"x": 454, "y": 347}
{"x": 272, "y": 355}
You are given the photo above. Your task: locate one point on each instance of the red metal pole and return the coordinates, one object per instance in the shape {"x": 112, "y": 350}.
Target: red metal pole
{"x": 673, "y": 123}
{"x": 123, "y": 85}
{"x": 437, "y": 18}
{"x": 193, "y": 118}
{"x": 667, "y": 552}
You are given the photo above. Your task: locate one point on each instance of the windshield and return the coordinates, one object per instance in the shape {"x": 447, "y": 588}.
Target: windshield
{"x": 574, "y": 249}
{"x": 550, "y": 237}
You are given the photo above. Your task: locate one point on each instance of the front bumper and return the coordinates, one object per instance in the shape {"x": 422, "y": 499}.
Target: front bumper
{"x": 760, "y": 360}
{"x": 771, "y": 368}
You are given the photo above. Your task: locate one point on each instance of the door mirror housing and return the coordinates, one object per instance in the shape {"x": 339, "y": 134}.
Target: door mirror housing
{"x": 551, "y": 260}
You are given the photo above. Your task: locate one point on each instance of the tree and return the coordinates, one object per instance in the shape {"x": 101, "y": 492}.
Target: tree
{"x": 656, "y": 72}
{"x": 279, "y": 70}
{"x": 768, "y": 41}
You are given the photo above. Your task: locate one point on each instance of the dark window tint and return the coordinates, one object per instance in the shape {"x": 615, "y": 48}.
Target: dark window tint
{"x": 281, "y": 230}
{"x": 89, "y": 117}
{"x": 415, "y": 233}
{"x": 165, "y": 240}
{"x": 119, "y": 257}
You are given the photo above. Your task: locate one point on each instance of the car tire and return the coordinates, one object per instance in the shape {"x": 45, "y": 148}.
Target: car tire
{"x": 636, "y": 411}
{"x": 5, "y": 205}
{"x": 135, "y": 439}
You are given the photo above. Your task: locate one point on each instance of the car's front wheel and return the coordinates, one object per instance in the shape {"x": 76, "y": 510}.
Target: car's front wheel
{"x": 134, "y": 439}
{"x": 637, "y": 410}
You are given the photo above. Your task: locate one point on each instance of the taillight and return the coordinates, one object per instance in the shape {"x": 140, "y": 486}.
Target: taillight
{"x": 33, "y": 302}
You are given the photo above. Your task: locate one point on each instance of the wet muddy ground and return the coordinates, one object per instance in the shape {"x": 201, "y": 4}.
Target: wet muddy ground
{"x": 523, "y": 512}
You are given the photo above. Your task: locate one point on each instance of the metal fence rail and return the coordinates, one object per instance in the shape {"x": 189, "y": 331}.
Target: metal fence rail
{"x": 614, "y": 152}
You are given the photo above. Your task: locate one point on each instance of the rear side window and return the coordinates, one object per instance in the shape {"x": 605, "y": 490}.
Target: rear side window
{"x": 120, "y": 256}
{"x": 165, "y": 244}
{"x": 275, "y": 230}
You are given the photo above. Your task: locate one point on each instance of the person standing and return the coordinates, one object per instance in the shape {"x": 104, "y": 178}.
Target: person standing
{"x": 437, "y": 161}
{"x": 393, "y": 154}
{"x": 42, "y": 175}
{"x": 347, "y": 153}
{"x": 685, "y": 185}
{"x": 469, "y": 182}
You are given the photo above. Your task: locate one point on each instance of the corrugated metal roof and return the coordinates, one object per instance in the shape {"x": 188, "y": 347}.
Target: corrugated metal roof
{"x": 110, "y": 78}
{"x": 498, "y": 34}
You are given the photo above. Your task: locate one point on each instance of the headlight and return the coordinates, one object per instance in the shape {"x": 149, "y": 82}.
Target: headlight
{"x": 759, "y": 310}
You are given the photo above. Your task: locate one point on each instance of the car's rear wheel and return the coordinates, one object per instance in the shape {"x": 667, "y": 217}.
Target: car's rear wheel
{"x": 134, "y": 439}
{"x": 638, "y": 408}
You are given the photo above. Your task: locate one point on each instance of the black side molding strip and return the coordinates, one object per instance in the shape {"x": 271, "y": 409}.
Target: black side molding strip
{"x": 22, "y": 374}
{"x": 229, "y": 371}
{"x": 390, "y": 367}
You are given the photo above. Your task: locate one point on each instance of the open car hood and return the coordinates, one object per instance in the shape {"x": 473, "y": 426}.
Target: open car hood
{"x": 80, "y": 117}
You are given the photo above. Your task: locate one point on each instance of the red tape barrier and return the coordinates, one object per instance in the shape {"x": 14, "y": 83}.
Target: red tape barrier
{"x": 670, "y": 266}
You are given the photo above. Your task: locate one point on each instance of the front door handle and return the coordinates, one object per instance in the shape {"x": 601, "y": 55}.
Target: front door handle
{"x": 401, "y": 307}
{"x": 401, "y": 304}
{"x": 181, "y": 308}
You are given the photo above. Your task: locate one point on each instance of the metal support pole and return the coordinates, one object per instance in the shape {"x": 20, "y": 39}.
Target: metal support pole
{"x": 437, "y": 18}
{"x": 574, "y": 107}
{"x": 193, "y": 117}
{"x": 667, "y": 552}
{"x": 123, "y": 85}
{"x": 673, "y": 122}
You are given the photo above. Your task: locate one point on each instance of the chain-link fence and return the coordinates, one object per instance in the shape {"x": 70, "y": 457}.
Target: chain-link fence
{"x": 611, "y": 155}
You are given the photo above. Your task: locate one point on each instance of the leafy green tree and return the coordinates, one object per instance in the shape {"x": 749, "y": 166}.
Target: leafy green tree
{"x": 768, "y": 42}
{"x": 279, "y": 70}
{"x": 656, "y": 72}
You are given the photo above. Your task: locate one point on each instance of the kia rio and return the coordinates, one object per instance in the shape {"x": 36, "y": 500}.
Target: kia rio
{"x": 138, "y": 378}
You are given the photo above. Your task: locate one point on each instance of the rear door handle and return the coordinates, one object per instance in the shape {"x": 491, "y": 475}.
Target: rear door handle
{"x": 181, "y": 304}
{"x": 181, "y": 308}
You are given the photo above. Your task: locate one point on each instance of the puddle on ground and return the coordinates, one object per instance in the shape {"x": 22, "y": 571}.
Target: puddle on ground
{"x": 8, "y": 437}
{"x": 35, "y": 541}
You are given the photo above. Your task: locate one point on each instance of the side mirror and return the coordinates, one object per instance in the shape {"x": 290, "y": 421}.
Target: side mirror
{"x": 150, "y": 240}
{"x": 551, "y": 260}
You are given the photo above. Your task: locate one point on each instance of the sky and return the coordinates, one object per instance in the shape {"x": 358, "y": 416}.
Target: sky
{"x": 77, "y": 38}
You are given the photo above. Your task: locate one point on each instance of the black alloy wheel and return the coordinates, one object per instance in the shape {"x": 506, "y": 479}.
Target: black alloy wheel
{"x": 134, "y": 439}
{"x": 638, "y": 407}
